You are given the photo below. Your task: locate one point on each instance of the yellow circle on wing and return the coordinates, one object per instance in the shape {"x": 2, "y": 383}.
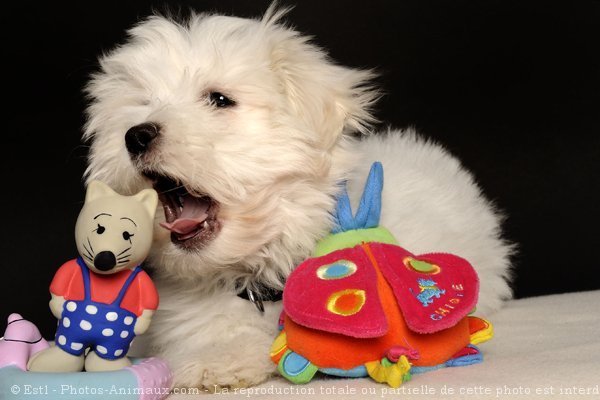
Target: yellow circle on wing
{"x": 336, "y": 270}
{"x": 346, "y": 302}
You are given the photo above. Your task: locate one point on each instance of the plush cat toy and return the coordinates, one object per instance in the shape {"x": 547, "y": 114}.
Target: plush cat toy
{"x": 103, "y": 299}
{"x": 364, "y": 306}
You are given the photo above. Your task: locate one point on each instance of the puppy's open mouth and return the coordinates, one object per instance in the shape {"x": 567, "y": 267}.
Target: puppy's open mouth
{"x": 191, "y": 219}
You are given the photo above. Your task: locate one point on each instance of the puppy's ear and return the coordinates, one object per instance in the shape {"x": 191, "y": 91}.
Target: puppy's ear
{"x": 332, "y": 99}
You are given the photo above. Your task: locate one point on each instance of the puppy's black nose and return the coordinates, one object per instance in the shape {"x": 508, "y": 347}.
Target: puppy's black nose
{"x": 105, "y": 261}
{"x": 138, "y": 138}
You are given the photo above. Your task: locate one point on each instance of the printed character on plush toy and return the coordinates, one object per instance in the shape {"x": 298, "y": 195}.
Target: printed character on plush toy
{"x": 103, "y": 299}
{"x": 365, "y": 306}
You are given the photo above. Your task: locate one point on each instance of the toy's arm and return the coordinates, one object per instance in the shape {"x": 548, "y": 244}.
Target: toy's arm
{"x": 148, "y": 303}
{"x": 143, "y": 322}
{"x": 61, "y": 286}
{"x": 56, "y": 305}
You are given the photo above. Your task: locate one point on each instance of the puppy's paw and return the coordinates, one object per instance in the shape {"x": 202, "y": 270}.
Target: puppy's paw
{"x": 216, "y": 377}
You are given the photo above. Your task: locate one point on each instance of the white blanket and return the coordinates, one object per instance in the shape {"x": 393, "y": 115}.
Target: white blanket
{"x": 544, "y": 347}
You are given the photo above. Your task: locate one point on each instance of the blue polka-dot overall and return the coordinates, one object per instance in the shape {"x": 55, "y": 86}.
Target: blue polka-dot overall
{"x": 106, "y": 328}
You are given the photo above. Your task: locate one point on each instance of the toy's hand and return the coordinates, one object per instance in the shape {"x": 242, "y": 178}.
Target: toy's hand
{"x": 56, "y": 305}
{"x": 143, "y": 322}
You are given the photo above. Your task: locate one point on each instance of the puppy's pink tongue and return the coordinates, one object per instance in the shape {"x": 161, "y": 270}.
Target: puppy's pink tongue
{"x": 190, "y": 216}
{"x": 184, "y": 226}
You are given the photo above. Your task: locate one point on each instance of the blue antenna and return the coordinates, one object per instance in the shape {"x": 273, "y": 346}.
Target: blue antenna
{"x": 369, "y": 209}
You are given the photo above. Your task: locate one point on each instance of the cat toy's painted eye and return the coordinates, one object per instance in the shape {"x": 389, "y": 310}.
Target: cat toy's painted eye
{"x": 127, "y": 235}
{"x": 220, "y": 100}
{"x": 100, "y": 229}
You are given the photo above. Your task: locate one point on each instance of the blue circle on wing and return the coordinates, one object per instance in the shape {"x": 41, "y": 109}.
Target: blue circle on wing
{"x": 336, "y": 270}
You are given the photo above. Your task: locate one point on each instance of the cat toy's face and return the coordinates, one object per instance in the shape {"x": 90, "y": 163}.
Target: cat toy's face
{"x": 114, "y": 232}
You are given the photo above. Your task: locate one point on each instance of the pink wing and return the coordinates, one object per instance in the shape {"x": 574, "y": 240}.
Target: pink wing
{"x": 434, "y": 291}
{"x": 336, "y": 293}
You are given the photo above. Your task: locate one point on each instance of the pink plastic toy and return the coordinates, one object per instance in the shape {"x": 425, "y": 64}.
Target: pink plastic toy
{"x": 146, "y": 379}
{"x": 21, "y": 340}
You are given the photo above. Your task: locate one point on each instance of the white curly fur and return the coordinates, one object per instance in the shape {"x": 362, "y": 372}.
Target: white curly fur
{"x": 273, "y": 162}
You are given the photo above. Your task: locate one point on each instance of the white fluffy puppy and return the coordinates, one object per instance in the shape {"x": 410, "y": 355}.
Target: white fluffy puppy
{"x": 245, "y": 128}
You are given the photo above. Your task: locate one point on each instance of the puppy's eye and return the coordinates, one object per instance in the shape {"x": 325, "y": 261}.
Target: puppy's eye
{"x": 100, "y": 229}
{"x": 220, "y": 100}
{"x": 127, "y": 235}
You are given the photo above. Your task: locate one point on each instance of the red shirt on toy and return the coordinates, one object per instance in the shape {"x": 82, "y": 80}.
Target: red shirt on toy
{"x": 142, "y": 295}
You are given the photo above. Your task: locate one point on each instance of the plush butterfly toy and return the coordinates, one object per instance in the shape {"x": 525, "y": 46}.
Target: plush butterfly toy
{"x": 364, "y": 306}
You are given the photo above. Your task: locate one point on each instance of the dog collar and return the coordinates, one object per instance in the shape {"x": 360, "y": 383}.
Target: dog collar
{"x": 257, "y": 295}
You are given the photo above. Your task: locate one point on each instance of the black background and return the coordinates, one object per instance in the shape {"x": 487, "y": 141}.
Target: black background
{"x": 511, "y": 87}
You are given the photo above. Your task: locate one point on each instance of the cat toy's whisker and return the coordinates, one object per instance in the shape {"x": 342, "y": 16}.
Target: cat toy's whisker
{"x": 89, "y": 253}
{"x": 123, "y": 262}
{"x": 129, "y": 248}
{"x": 91, "y": 247}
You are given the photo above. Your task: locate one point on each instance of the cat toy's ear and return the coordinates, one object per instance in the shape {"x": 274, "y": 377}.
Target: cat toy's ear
{"x": 97, "y": 189}
{"x": 149, "y": 200}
